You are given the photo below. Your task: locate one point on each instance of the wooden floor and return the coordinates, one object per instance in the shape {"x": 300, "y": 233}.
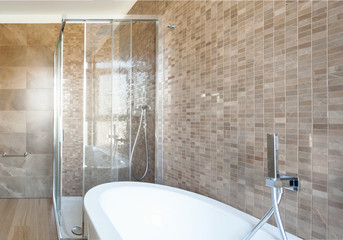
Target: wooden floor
{"x": 27, "y": 219}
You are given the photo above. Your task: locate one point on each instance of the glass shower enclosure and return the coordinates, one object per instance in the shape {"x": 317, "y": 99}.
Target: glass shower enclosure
{"x": 108, "y": 82}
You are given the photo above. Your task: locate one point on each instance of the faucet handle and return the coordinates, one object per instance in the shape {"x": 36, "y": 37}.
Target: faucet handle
{"x": 274, "y": 179}
{"x": 284, "y": 181}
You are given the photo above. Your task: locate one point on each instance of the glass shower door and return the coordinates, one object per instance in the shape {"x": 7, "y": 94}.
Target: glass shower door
{"x": 120, "y": 62}
{"x": 107, "y": 90}
{"x": 121, "y": 99}
{"x": 104, "y": 75}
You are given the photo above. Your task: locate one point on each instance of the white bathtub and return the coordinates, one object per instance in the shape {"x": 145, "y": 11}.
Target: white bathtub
{"x": 132, "y": 211}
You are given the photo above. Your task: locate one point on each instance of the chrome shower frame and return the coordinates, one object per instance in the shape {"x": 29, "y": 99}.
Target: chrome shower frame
{"x": 159, "y": 75}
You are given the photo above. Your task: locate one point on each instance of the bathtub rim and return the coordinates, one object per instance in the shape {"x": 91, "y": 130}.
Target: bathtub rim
{"x": 106, "y": 228}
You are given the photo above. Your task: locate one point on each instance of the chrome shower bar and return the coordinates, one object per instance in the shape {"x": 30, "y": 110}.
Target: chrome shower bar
{"x": 5, "y": 154}
{"x": 108, "y": 19}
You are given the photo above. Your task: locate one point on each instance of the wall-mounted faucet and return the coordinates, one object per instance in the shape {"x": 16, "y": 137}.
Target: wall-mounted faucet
{"x": 274, "y": 179}
{"x": 277, "y": 182}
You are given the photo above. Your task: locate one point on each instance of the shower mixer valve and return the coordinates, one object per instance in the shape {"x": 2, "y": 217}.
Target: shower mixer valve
{"x": 277, "y": 182}
{"x": 274, "y": 179}
{"x": 284, "y": 181}
{"x": 143, "y": 107}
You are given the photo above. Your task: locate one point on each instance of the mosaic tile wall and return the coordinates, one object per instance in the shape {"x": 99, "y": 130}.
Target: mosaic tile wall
{"x": 143, "y": 93}
{"x": 26, "y": 109}
{"x": 72, "y": 110}
{"x": 237, "y": 70}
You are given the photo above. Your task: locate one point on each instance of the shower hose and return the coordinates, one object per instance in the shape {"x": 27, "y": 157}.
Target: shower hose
{"x": 143, "y": 116}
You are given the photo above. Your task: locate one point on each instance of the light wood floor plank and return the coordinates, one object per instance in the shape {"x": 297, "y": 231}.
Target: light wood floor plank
{"x": 7, "y": 210}
{"x": 27, "y": 219}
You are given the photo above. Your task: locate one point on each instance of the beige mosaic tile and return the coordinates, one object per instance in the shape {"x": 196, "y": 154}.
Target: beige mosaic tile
{"x": 237, "y": 70}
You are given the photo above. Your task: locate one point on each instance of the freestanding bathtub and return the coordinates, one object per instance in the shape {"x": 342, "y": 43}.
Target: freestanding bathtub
{"x": 144, "y": 211}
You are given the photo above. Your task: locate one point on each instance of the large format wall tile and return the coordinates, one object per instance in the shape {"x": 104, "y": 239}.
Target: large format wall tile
{"x": 12, "y": 187}
{"x": 12, "y": 78}
{"x": 39, "y": 56}
{"x": 13, "y": 143}
{"x": 42, "y": 35}
{"x": 39, "y": 99}
{"x": 39, "y": 121}
{"x": 39, "y": 165}
{"x": 39, "y": 143}
{"x": 13, "y": 34}
{"x": 38, "y": 187}
{"x": 12, "y": 56}
{"x": 26, "y": 108}
{"x": 12, "y": 167}
{"x": 12, "y": 121}
{"x": 12, "y": 100}
{"x": 40, "y": 77}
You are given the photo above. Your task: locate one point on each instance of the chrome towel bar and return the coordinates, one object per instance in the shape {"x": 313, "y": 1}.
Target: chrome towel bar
{"x": 5, "y": 154}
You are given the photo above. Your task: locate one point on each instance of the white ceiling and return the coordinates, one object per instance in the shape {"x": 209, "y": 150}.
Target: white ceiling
{"x": 52, "y": 10}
